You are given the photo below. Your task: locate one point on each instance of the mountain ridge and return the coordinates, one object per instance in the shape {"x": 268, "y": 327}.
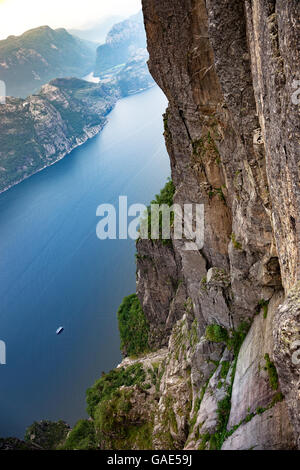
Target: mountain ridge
{"x": 72, "y": 109}
{"x": 122, "y": 41}
{"x": 41, "y": 54}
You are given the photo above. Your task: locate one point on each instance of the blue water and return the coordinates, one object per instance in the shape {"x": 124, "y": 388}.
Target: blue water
{"x": 54, "y": 270}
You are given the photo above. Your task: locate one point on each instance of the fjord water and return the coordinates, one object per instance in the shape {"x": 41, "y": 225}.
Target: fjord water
{"x": 54, "y": 271}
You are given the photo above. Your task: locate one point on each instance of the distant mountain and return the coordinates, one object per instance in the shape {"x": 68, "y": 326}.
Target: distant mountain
{"x": 134, "y": 76}
{"x": 29, "y": 61}
{"x": 123, "y": 40}
{"x": 98, "y": 31}
{"x": 38, "y": 131}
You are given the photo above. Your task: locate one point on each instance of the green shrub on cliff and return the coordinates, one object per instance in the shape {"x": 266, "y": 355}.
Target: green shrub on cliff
{"x": 165, "y": 197}
{"x": 104, "y": 388}
{"x": 110, "y": 414}
{"x": 272, "y": 372}
{"x": 118, "y": 428}
{"x": 232, "y": 338}
{"x": 237, "y": 337}
{"x": 216, "y": 334}
{"x": 133, "y": 327}
{"x": 82, "y": 437}
{"x": 47, "y": 434}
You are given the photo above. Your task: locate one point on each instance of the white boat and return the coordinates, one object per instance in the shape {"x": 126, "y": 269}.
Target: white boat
{"x": 59, "y": 330}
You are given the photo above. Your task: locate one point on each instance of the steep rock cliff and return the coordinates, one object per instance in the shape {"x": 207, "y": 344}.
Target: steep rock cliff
{"x": 232, "y": 132}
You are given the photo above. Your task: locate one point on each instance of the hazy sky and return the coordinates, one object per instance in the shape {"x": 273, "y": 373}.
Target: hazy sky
{"x": 17, "y": 16}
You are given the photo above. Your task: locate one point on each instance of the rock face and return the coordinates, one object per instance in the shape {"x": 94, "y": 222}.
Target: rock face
{"x": 251, "y": 387}
{"x": 229, "y": 313}
{"x": 286, "y": 333}
{"x": 159, "y": 288}
{"x": 29, "y": 61}
{"x": 258, "y": 434}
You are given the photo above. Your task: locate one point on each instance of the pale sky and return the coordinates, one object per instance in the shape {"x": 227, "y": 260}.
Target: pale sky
{"x": 17, "y": 16}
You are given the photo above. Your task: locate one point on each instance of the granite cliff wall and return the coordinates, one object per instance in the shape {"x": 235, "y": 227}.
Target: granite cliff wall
{"x": 232, "y": 132}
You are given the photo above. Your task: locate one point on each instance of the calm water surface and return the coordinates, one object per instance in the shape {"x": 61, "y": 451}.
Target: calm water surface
{"x": 54, "y": 271}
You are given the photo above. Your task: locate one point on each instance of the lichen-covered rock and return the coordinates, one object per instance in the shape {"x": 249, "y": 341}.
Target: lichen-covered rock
{"x": 286, "y": 333}
{"x": 270, "y": 430}
{"x": 124, "y": 418}
{"x": 160, "y": 289}
{"x": 252, "y": 389}
{"x": 172, "y": 417}
{"x": 206, "y": 418}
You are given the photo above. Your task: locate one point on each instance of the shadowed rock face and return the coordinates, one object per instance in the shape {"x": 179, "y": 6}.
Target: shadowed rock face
{"x": 159, "y": 289}
{"x": 232, "y": 133}
{"x": 273, "y": 34}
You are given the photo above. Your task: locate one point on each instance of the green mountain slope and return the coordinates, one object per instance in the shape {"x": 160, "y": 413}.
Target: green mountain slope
{"x": 42, "y": 129}
{"x": 38, "y": 131}
{"x": 29, "y": 61}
